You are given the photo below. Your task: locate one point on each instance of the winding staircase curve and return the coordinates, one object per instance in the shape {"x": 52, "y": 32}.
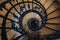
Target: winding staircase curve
{"x": 17, "y": 15}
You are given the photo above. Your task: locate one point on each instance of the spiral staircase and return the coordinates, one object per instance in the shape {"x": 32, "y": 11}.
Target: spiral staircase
{"x": 29, "y": 19}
